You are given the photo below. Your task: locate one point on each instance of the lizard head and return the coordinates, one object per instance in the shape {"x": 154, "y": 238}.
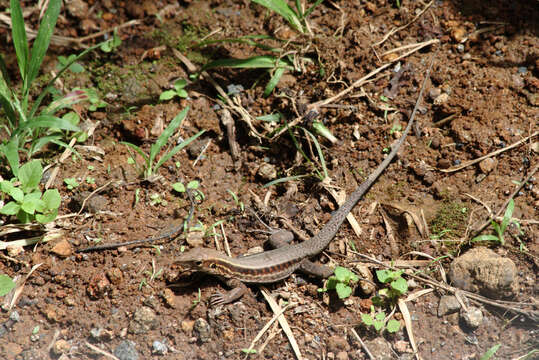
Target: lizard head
{"x": 201, "y": 259}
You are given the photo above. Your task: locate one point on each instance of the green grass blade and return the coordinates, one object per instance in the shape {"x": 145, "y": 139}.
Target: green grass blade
{"x": 490, "y": 352}
{"x": 46, "y": 121}
{"x": 137, "y": 149}
{"x": 166, "y": 134}
{"x": 248, "y": 40}
{"x": 19, "y": 37}
{"x": 285, "y": 179}
{"x": 282, "y": 8}
{"x": 274, "y": 81}
{"x": 255, "y": 62}
{"x": 42, "y": 41}
{"x": 507, "y": 216}
{"x": 66, "y": 146}
{"x": 42, "y": 141}
{"x": 7, "y": 103}
{"x": 3, "y": 69}
{"x": 176, "y": 149}
{"x": 319, "y": 151}
{"x": 486, "y": 238}
{"x": 310, "y": 10}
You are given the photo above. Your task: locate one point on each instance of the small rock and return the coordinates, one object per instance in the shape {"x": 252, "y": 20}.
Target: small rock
{"x": 267, "y": 171}
{"x": 442, "y": 99}
{"x": 61, "y": 347}
{"x": 367, "y": 284}
{"x": 144, "y": 320}
{"x": 169, "y": 297}
{"x": 77, "y": 8}
{"x": 159, "y": 348}
{"x": 99, "y": 285}
{"x": 202, "y": 330}
{"x": 458, "y": 34}
{"x": 535, "y": 147}
{"x": 444, "y": 163}
{"x": 63, "y": 248}
{"x": 126, "y": 350}
{"x": 14, "y": 316}
{"x": 97, "y": 203}
{"x": 101, "y": 334}
{"x": 53, "y": 313}
{"x": 341, "y": 355}
{"x": 195, "y": 238}
{"x": 151, "y": 302}
{"x": 487, "y": 165}
{"x": 434, "y": 93}
{"x": 337, "y": 343}
{"x": 115, "y": 276}
{"x": 473, "y": 318}
{"x": 448, "y": 304}
{"x": 380, "y": 348}
{"x": 402, "y": 346}
{"x": 482, "y": 270}
{"x": 187, "y": 326}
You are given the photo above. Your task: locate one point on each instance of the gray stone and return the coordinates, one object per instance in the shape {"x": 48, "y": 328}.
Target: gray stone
{"x": 448, "y": 305}
{"x": 473, "y": 318}
{"x": 143, "y": 321}
{"x": 380, "y": 348}
{"x": 159, "y": 348}
{"x": 126, "y": 351}
{"x": 202, "y": 330}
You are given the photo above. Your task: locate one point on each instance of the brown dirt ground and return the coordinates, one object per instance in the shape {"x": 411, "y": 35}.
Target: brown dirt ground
{"x": 482, "y": 96}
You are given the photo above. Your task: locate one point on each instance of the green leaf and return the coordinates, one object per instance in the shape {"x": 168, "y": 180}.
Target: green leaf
{"x": 19, "y": 37}
{"x": 6, "y": 284}
{"x": 182, "y": 93}
{"x": 11, "y": 208}
{"x": 490, "y": 352}
{"x": 486, "y": 238}
{"x": 255, "y": 62}
{"x": 275, "y": 117}
{"x": 400, "y": 285}
{"x": 384, "y": 276}
{"x": 282, "y": 8}
{"x": 177, "y": 148}
{"x": 367, "y": 319}
{"x": 48, "y": 217}
{"x": 193, "y": 184}
{"x": 137, "y": 149}
{"x": 52, "y": 199}
{"x": 342, "y": 274}
{"x": 167, "y": 95}
{"x": 6, "y": 186}
{"x": 17, "y": 194}
{"x": 48, "y": 121}
{"x": 507, "y": 216}
{"x": 42, "y": 40}
{"x": 11, "y": 152}
{"x": 274, "y": 81}
{"x": 378, "y": 325}
{"x": 166, "y": 134}
{"x": 332, "y": 283}
{"x": 343, "y": 290}
{"x": 180, "y": 84}
{"x": 32, "y": 202}
{"x": 393, "y": 326}
{"x": 179, "y": 187}
{"x": 30, "y": 175}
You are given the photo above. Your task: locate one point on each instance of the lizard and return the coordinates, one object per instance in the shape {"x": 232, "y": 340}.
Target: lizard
{"x": 277, "y": 264}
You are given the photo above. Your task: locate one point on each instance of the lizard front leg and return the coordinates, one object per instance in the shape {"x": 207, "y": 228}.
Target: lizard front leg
{"x": 238, "y": 290}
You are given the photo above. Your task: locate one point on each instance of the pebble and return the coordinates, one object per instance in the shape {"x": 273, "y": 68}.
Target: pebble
{"x": 267, "y": 171}
{"x": 144, "y": 320}
{"x": 61, "y": 347}
{"x": 63, "y": 248}
{"x": 380, "y": 348}
{"x": 195, "y": 238}
{"x": 444, "y": 163}
{"x": 115, "y": 276}
{"x": 341, "y": 355}
{"x": 473, "y": 318}
{"x": 14, "y": 251}
{"x": 448, "y": 304}
{"x": 101, "y": 334}
{"x": 487, "y": 165}
{"x": 202, "y": 330}
{"x": 337, "y": 343}
{"x": 442, "y": 99}
{"x": 159, "y": 348}
{"x": 187, "y": 326}
{"x": 14, "y": 316}
{"x": 169, "y": 297}
{"x": 126, "y": 350}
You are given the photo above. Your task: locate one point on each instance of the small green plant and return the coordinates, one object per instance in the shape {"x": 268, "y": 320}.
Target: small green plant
{"x": 499, "y": 229}
{"x": 90, "y": 180}
{"x": 191, "y": 185}
{"x": 95, "y": 101}
{"x": 341, "y": 282}
{"x": 74, "y": 66}
{"x": 397, "y": 286}
{"x": 236, "y": 200}
{"x": 150, "y": 166}
{"x": 6, "y": 284}
{"x": 157, "y": 199}
{"x": 111, "y": 44}
{"x": 379, "y": 322}
{"x": 29, "y": 125}
{"x": 28, "y": 202}
{"x": 490, "y": 352}
{"x": 197, "y": 301}
{"x": 295, "y": 17}
{"x": 179, "y": 90}
{"x": 71, "y": 183}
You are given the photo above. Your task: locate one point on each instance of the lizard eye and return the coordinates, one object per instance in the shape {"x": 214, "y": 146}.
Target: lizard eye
{"x": 212, "y": 266}
{"x": 198, "y": 263}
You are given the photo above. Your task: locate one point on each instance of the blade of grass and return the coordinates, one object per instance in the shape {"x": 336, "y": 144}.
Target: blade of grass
{"x": 274, "y": 81}
{"x": 42, "y": 41}
{"x": 310, "y": 10}
{"x": 248, "y": 40}
{"x": 258, "y": 62}
{"x": 166, "y": 134}
{"x": 282, "y": 8}
{"x": 320, "y": 153}
{"x": 298, "y": 147}
{"x": 507, "y": 216}
{"x": 176, "y": 149}
{"x": 11, "y": 152}
{"x": 19, "y": 37}
{"x": 138, "y": 150}
{"x": 47, "y": 121}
